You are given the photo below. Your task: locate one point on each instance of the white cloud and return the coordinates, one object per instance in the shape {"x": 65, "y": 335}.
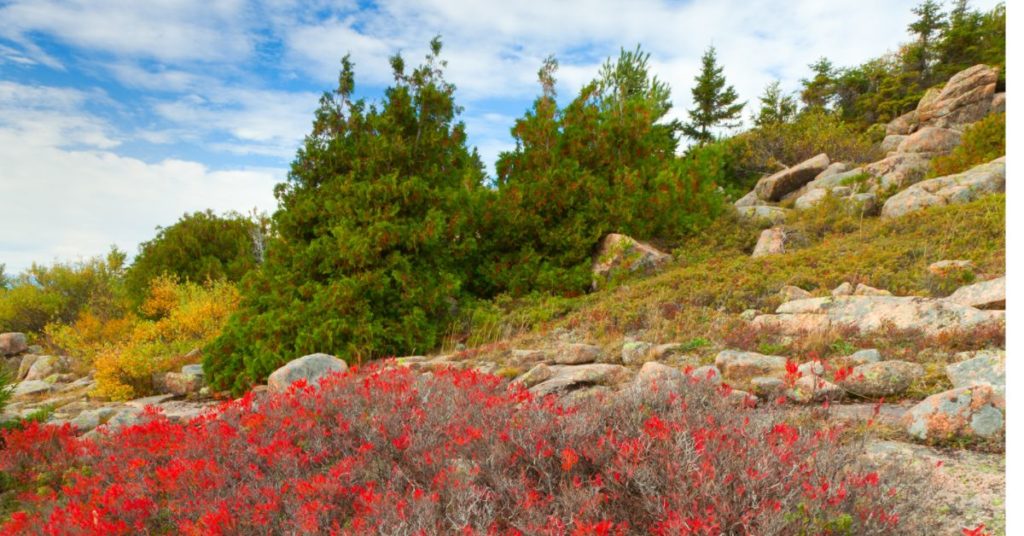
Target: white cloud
{"x": 66, "y": 203}
{"x": 158, "y": 29}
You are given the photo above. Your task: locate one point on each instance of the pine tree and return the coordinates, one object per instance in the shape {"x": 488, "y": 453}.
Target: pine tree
{"x": 930, "y": 22}
{"x": 775, "y": 107}
{"x": 714, "y": 103}
{"x": 371, "y": 234}
{"x": 819, "y": 91}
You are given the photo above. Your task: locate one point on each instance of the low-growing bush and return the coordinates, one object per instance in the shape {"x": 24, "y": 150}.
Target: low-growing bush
{"x": 182, "y": 317}
{"x": 390, "y": 451}
{"x": 982, "y": 142}
{"x": 61, "y": 291}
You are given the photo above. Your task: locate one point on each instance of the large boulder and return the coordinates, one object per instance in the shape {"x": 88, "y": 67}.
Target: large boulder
{"x": 567, "y": 379}
{"x": 930, "y": 140}
{"x": 774, "y": 187}
{"x": 636, "y": 352}
{"x": 891, "y": 142}
{"x": 619, "y": 253}
{"x": 577, "y": 354}
{"x": 975, "y": 411}
{"x": 740, "y": 368}
{"x": 872, "y": 313}
{"x": 654, "y": 375}
{"x": 989, "y": 294}
{"x": 983, "y": 367}
{"x": 45, "y": 366}
{"x": 12, "y": 343}
{"x": 883, "y": 378}
{"x": 966, "y": 98}
{"x": 310, "y": 368}
{"x": 539, "y": 373}
{"x": 949, "y": 190}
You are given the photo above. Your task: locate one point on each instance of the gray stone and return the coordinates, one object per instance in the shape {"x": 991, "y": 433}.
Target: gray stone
{"x": 966, "y": 98}
{"x": 899, "y": 170}
{"x": 311, "y": 368}
{"x": 636, "y": 352}
{"x": 539, "y": 373}
{"x": 707, "y": 373}
{"x": 26, "y": 364}
{"x": 654, "y": 375}
{"x": 619, "y": 253}
{"x": 989, "y": 294}
{"x": 974, "y": 411}
{"x": 569, "y": 378}
{"x": 31, "y": 387}
{"x": 774, "y": 187}
{"x": 871, "y": 313}
{"x": 45, "y": 366}
{"x": 984, "y": 367}
{"x": 883, "y": 378}
{"x": 999, "y": 103}
{"x": 864, "y": 290}
{"x": 930, "y": 140}
{"x": 952, "y": 189}
{"x": 739, "y": 368}
{"x": 748, "y": 200}
{"x": 891, "y": 142}
{"x": 790, "y": 293}
{"x": 862, "y": 357}
{"x": 771, "y": 242}
{"x": 12, "y": 343}
{"x": 767, "y": 386}
{"x": 813, "y": 389}
{"x": 763, "y": 214}
{"x": 577, "y": 354}
{"x": 845, "y": 289}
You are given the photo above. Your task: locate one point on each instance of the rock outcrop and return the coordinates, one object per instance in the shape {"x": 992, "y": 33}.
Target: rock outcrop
{"x": 983, "y": 367}
{"x": 952, "y": 189}
{"x": 871, "y": 313}
{"x": 740, "y": 368}
{"x": 882, "y": 378}
{"x": 619, "y": 253}
{"x": 967, "y": 97}
{"x": 989, "y": 294}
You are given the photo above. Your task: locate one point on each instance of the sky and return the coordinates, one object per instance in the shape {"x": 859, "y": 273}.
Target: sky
{"x": 119, "y": 116}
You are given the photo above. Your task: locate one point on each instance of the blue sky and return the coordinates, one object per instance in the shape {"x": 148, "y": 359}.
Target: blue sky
{"x": 117, "y": 116}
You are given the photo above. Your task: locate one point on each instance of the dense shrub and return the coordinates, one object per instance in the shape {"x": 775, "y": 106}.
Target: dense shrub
{"x": 127, "y": 351}
{"x": 982, "y": 142}
{"x": 768, "y": 148}
{"x": 200, "y": 247}
{"x": 372, "y": 237}
{"x": 391, "y": 451}
{"x": 603, "y": 163}
{"x": 59, "y": 292}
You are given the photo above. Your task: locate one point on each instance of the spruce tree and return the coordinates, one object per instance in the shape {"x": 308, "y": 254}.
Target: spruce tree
{"x": 370, "y": 234}
{"x": 714, "y": 103}
{"x": 775, "y": 106}
{"x": 930, "y": 22}
{"x": 819, "y": 91}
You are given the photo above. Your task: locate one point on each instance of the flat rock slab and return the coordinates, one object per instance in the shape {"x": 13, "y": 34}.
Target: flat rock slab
{"x": 989, "y": 294}
{"x": 871, "y": 313}
{"x": 774, "y": 187}
{"x": 954, "y": 189}
{"x": 983, "y": 367}
{"x": 310, "y": 368}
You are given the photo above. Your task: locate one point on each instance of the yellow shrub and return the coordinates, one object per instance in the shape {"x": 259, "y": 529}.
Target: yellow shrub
{"x": 188, "y": 316}
{"x": 88, "y": 336}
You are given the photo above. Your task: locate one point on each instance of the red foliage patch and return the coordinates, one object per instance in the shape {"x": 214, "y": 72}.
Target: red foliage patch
{"x": 388, "y": 451}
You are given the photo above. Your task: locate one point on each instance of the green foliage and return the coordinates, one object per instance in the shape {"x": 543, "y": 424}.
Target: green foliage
{"x": 6, "y": 385}
{"x": 372, "y": 235}
{"x": 981, "y": 142}
{"x": 59, "y": 292}
{"x": 775, "y": 107}
{"x": 603, "y": 163}
{"x": 769, "y": 147}
{"x": 714, "y": 103}
{"x": 930, "y": 21}
{"x": 199, "y": 247}
{"x": 819, "y": 90}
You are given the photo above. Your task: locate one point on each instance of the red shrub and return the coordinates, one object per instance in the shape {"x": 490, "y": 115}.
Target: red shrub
{"x": 389, "y": 451}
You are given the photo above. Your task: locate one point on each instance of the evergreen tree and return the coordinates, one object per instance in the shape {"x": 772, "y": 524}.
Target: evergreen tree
{"x": 775, "y": 106}
{"x": 819, "y": 91}
{"x": 714, "y": 103}
{"x": 371, "y": 238}
{"x": 929, "y": 23}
